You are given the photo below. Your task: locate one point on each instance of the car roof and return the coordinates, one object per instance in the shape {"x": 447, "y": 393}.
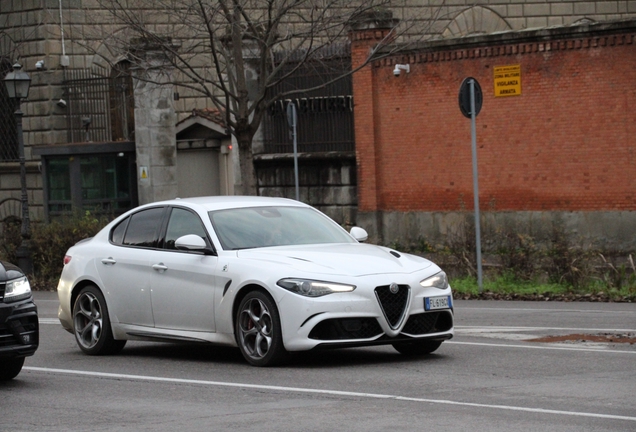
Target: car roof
{"x": 210, "y": 203}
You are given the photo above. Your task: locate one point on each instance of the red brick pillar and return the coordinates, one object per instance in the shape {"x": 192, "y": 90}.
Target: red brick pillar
{"x": 365, "y": 33}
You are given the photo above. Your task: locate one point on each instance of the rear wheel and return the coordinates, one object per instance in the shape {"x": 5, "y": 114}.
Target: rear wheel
{"x": 258, "y": 330}
{"x": 417, "y": 347}
{"x": 92, "y": 325}
{"x": 10, "y": 368}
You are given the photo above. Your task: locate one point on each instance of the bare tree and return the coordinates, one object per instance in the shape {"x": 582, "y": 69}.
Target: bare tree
{"x": 234, "y": 51}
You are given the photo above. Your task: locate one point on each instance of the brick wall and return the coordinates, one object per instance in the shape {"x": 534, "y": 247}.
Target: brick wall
{"x": 567, "y": 143}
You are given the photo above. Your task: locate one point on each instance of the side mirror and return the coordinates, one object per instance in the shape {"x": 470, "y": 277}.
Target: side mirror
{"x": 359, "y": 234}
{"x": 192, "y": 243}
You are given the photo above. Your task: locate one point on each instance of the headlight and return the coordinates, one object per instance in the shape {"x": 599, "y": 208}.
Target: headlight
{"x": 312, "y": 288}
{"x": 438, "y": 281}
{"x": 17, "y": 289}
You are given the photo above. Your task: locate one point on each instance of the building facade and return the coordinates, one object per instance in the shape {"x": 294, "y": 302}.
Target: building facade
{"x": 93, "y": 139}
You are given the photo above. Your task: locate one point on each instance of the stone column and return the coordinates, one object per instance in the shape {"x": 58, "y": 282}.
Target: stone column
{"x": 155, "y": 119}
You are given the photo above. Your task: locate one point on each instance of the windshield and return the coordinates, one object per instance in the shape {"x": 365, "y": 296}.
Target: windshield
{"x": 255, "y": 227}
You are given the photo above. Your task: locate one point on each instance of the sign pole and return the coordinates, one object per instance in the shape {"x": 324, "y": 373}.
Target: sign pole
{"x": 470, "y": 101}
{"x": 473, "y": 133}
{"x": 292, "y": 119}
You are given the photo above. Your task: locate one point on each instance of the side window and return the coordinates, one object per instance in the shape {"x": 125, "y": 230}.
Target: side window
{"x": 143, "y": 228}
{"x": 117, "y": 234}
{"x": 183, "y": 222}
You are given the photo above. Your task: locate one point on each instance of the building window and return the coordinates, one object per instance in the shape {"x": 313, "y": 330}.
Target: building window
{"x": 103, "y": 183}
{"x": 8, "y": 128}
{"x": 100, "y": 183}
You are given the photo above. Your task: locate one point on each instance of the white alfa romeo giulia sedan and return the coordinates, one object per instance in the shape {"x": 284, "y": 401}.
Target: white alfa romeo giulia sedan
{"x": 269, "y": 275}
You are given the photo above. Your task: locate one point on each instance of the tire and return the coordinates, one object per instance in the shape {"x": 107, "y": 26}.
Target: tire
{"x": 258, "y": 330}
{"x": 417, "y": 348}
{"x": 91, "y": 324}
{"x": 10, "y": 368}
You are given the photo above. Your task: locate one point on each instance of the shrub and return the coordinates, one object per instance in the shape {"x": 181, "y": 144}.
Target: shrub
{"x": 10, "y": 239}
{"x": 518, "y": 254}
{"x": 49, "y": 243}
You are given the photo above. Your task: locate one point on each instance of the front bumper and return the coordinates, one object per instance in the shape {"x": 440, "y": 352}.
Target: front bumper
{"x": 19, "y": 329}
{"x": 364, "y": 317}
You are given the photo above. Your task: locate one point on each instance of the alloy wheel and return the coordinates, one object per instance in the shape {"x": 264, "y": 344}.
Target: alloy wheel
{"x": 88, "y": 320}
{"x": 255, "y": 327}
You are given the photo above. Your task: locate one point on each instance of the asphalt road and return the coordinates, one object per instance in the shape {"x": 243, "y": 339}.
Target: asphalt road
{"x": 488, "y": 378}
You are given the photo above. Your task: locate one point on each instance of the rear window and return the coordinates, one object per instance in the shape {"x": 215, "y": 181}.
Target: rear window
{"x": 117, "y": 233}
{"x": 143, "y": 228}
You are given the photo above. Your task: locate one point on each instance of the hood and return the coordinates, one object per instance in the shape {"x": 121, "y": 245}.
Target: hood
{"x": 9, "y": 271}
{"x": 355, "y": 259}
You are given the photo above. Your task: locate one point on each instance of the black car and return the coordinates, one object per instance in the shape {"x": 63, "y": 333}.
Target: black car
{"x": 19, "y": 332}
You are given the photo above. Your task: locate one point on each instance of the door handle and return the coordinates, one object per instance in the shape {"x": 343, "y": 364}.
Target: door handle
{"x": 109, "y": 261}
{"x": 161, "y": 267}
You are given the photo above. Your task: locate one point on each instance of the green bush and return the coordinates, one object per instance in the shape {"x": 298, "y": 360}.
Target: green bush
{"x": 515, "y": 261}
{"x": 10, "y": 239}
{"x": 49, "y": 243}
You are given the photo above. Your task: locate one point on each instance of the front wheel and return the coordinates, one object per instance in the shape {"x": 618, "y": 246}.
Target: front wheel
{"x": 258, "y": 330}
{"x": 416, "y": 348}
{"x": 92, "y": 325}
{"x": 10, "y": 368}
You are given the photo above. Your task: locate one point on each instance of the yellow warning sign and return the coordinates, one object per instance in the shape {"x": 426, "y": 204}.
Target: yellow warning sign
{"x": 507, "y": 80}
{"x": 143, "y": 172}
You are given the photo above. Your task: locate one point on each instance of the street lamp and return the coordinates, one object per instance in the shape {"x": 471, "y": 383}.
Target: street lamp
{"x": 18, "y": 83}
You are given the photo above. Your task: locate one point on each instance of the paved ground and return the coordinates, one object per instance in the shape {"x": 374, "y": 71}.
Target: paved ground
{"x": 489, "y": 378}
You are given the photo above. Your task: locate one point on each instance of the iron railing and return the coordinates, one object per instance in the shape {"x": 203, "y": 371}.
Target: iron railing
{"x": 100, "y": 109}
{"x": 325, "y": 115}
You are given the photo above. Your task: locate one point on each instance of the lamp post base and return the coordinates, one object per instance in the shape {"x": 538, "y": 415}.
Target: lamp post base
{"x": 23, "y": 256}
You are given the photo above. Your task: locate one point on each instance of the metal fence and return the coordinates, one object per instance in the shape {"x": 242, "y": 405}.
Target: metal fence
{"x": 325, "y": 115}
{"x": 100, "y": 109}
{"x": 8, "y": 127}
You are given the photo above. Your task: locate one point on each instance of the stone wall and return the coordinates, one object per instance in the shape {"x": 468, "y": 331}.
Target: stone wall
{"x": 326, "y": 181}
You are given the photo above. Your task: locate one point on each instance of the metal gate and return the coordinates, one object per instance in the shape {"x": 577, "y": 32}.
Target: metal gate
{"x": 325, "y": 115}
{"x": 100, "y": 109}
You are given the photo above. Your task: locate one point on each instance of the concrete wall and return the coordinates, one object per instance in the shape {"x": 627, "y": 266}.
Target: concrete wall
{"x": 327, "y": 182}
{"x": 610, "y": 231}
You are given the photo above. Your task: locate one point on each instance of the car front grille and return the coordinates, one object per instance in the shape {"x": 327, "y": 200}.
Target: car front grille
{"x": 346, "y": 328}
{"x": 3, "y": 286}
{"x": 430, "y": 322}
{"x": 393, "y": 305}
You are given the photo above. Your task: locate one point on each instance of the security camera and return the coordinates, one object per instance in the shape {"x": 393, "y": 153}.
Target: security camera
{"x": 401, "y": 67}
{"x": 39, "y": 65}
{"x": 61, "y": 103}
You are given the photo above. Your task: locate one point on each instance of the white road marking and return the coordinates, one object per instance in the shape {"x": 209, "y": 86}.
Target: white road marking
{"x": 535, "y": 310}
{"x": 492, "y": 331}
{"x": 526, "y": 333}
{"x": 329, "y": 392}
{"x": 479, "y": 329}
{"x": 542, "y": 347}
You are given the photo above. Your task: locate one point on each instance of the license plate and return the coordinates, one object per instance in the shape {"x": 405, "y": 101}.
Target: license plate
{"x": 432, "y": 303}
